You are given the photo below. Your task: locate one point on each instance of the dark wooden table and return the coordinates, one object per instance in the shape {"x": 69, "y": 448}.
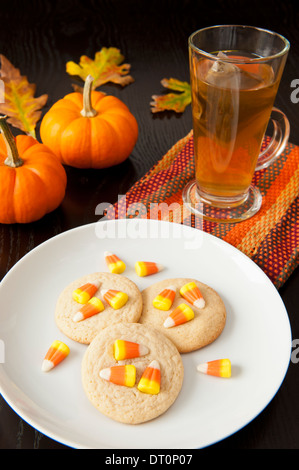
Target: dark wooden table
{"x": 39, "y": 37}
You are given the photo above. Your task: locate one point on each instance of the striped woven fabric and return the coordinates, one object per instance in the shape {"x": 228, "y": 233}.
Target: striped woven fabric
{"x": 270, "y": 238}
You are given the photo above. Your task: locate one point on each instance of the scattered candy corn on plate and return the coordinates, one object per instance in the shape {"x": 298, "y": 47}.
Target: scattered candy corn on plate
{"x": 217, "y": 398}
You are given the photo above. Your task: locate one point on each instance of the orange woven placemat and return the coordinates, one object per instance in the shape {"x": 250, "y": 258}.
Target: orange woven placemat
{"x": 270, "y": 238}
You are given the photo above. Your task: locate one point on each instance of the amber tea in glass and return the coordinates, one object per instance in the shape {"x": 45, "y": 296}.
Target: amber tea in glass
{"x": 233, "y": 93}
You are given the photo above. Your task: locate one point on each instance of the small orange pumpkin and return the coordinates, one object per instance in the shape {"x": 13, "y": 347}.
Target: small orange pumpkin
{"x": 93, "y": 130}
{"x": 32, "y": 179}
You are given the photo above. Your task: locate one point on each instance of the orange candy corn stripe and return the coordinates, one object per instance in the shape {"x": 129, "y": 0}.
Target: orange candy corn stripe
{"x": 114, "y": 263}
{"x": 57, "y": 352}
{"x": 115, "y": 298}
{"x": 164, "y": 300}
{"x": 218, "y": 368}
{"x": 128, "y": 349}
{"x": 181, "y": 314}
{"x": 192, "y": 294}
{"x": 150, "y": 381}
{"x": 92, "y": 307}
{"x": 147, "y": 268}
{"x": 120, "y": 375}
{"x": 84, "y": 293}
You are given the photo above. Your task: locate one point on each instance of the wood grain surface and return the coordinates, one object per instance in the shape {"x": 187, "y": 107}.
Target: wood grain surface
{"x": 39, "y": 37}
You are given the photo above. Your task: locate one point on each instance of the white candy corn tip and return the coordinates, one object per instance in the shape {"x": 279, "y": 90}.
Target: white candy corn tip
{"x": 168, "y": 322}
{"x": 199, "y": 303}
{"x": 103, "y": 292}
{"x": 202, "y": 368}
{"x": 78, "y": 317}
{"x": 107, "y": 253}
{"x": 173, "y": 288}
{"x": 105, "y": 373}
{"x": 154, "y": 364}
{"x": 47, "y": 365}
{"x": 143, "y": 350}
{"x": 96, "y": 283}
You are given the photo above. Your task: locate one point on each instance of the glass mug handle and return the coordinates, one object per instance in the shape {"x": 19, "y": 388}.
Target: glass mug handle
{"x": 278, "y": 142}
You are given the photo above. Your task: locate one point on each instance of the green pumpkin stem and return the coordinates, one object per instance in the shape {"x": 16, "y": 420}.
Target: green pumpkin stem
{"x": 88, "y": 110}
{"x": 13, "y": 159}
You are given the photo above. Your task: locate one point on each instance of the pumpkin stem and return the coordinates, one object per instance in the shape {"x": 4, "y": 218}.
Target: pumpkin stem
{"x": 13, "y": 159}
{"x": 88, "y": 110}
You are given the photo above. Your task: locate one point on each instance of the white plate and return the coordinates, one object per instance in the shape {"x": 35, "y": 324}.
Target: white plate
{"x": 256, "y": 338}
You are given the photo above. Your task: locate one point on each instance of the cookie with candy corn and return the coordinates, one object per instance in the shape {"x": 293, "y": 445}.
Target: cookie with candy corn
{"x": 82, "y": 321}
{"x": 132, "y": 373}
{"x": 197, "y": 324}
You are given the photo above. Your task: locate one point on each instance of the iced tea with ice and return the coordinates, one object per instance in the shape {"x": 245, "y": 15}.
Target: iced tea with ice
{"x": 231, "y": 106}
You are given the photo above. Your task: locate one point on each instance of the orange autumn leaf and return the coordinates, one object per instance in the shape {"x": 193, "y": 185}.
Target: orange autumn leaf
{"x": 106, "y": 67}
{"x": 172, "y": 101}
{"x": 20, "y": 106}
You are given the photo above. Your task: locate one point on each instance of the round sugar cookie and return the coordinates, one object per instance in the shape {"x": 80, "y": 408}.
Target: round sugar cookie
{"x": 84, "y": 331}
{"x": 128, "y": 404}
{"x": 203, "y": 329}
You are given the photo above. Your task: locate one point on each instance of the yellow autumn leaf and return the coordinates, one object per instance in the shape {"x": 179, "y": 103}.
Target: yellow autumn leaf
{"x": 106, "y": 67}
{"x": 20, "y": 106}
{"x": 172, "y": 101}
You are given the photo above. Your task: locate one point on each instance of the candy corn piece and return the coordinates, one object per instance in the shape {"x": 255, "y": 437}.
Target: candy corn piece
{"x": 116, "y": 299}
{"x": 120, "y": 375}
{"x": 56, "y": 353}
{"x": 181, "y": 314}
{"x": 93, "y": 306}
{"x": 192, "y": 294}
{"x": 146, "y": 268}
{"x": 127, "y": 350}
{"x": 164, "y": 300}
{"x": 151, "y": 379}
{"x": 115, "y": 265}
{"x": 84, "y": 293}
{"x": 219, "y": 368}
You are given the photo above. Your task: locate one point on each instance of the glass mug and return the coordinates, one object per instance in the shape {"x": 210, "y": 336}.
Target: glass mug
{"x": 235, "y": 73}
